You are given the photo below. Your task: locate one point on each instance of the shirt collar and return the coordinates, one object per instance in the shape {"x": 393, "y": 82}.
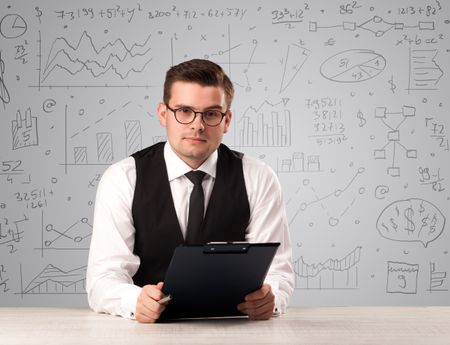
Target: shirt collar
{"x": 176, "y": 167}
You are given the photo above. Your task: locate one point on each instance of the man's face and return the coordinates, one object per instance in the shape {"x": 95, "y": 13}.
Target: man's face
{"x": 194, "y": 142}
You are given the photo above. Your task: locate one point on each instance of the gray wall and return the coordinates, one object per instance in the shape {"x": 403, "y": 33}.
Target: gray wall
{"x": 347, "y": 101}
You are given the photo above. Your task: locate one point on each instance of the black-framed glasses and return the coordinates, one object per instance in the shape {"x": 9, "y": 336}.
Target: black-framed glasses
{"x": 186, "y": 115}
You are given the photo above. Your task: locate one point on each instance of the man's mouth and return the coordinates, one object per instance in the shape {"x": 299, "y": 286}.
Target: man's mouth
{"x": 195, "y": 139}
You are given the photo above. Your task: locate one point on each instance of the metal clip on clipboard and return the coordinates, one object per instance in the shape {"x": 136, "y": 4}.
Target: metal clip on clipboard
{"x": 226, "y": 248}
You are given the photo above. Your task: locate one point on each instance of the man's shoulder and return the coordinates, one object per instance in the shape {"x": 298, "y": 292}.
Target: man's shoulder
{"x": 123, "y": 165}
{"x": 149, "y": 151}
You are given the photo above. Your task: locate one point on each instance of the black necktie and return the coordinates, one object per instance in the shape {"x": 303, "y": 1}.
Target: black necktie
{"x": 196, "y": 207}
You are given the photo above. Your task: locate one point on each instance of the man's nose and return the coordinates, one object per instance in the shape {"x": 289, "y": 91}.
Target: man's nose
{"x": 198, "y": 122}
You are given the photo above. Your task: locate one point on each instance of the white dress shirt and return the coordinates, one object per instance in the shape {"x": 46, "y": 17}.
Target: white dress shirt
{"x": 112, "y": 264}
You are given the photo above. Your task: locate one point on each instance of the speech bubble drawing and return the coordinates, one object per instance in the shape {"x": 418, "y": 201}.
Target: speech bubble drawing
{"x": 411, "y": 220}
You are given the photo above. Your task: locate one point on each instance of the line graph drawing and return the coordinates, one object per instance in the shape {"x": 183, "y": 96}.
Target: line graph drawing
{"x": 392, "y": 121}
{"x": 113, "y": 58}
{"x": 330, "y": 274}
{"x": 335, "y": 204}
{"x": 376, "y": 25}
{"x": 53, "y": 280}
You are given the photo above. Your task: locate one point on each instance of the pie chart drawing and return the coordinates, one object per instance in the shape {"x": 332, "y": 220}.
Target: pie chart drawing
{"x": 352, "y": 66}
{"x": 12, "y": 26}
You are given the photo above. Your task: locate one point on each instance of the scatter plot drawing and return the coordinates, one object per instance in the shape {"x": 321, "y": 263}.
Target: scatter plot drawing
{"x": 393, "y": 121}
{"x": 330, "y": 274}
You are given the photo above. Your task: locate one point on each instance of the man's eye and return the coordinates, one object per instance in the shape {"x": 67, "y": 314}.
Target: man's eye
{"x": 185, "y": 111}
{"x": 211, "y": 113}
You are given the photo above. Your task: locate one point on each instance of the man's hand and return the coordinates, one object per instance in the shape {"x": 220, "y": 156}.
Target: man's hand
{"x": 259, "y": 304}
{"x": 148, "y": 309}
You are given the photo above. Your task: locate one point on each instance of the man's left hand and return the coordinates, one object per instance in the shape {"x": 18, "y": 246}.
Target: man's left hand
{"x": 259, "y": 304}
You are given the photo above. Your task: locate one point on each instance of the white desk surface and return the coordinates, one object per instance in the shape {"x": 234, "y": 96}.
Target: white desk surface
{"x": 304, "y": 325}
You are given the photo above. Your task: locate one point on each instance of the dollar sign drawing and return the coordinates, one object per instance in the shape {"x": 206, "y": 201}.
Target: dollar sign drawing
{"x": 361, "y": 118}
{"x": 394, "y": 225}
{"x": 391, "y": 82}
{"x": 409, "y": 213}
{"x": 38, "y": 14}
{"x": 433, "y": 224}
{"x": 421, "y": 209}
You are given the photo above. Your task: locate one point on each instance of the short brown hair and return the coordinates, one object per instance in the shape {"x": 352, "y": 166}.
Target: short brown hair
{"x": 203, "y": 72}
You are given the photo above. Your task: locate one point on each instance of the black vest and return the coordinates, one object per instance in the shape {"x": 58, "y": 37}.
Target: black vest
{"x": 157, "y": 229}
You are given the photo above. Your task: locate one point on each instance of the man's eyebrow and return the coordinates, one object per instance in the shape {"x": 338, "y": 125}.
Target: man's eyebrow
{"x": 215, "y": 106}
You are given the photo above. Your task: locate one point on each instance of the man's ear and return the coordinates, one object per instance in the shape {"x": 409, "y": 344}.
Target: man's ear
{"x": 227, "y": 120}
{"x": 162, "y": 113}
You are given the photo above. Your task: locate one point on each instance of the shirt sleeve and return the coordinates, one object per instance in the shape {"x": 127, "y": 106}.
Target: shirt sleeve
{"x": 268, "y": 223}
{"x": 111, "y": 263}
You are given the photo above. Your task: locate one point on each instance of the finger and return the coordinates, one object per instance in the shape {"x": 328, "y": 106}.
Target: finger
{"x": 262, "y": 313}
{"x": 153, "y": 292}
{"x": 148, "y": 310}
{"x": 258, "y": 294}
{"x": 251, "y": 305}
{"x": 147, "y": 317}
{"x": 147, "y": 307}
{"x": 255, "y": 308}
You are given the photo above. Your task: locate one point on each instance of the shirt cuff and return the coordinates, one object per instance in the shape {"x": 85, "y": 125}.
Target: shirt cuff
{"x": 277, "y": 310}
{"x": 128, "y": 304}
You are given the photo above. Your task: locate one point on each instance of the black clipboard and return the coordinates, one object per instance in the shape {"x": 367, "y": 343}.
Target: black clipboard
{"x": 211, "y": 280}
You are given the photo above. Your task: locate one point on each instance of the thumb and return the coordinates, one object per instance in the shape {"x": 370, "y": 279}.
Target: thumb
{"x": 160, "y": 285}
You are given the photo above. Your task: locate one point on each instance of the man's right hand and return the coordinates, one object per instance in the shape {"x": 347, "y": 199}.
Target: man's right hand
{"x": 148, "y": 310}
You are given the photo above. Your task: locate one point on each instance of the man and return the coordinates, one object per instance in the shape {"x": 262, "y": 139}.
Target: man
{"x": 142, "y": 203}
